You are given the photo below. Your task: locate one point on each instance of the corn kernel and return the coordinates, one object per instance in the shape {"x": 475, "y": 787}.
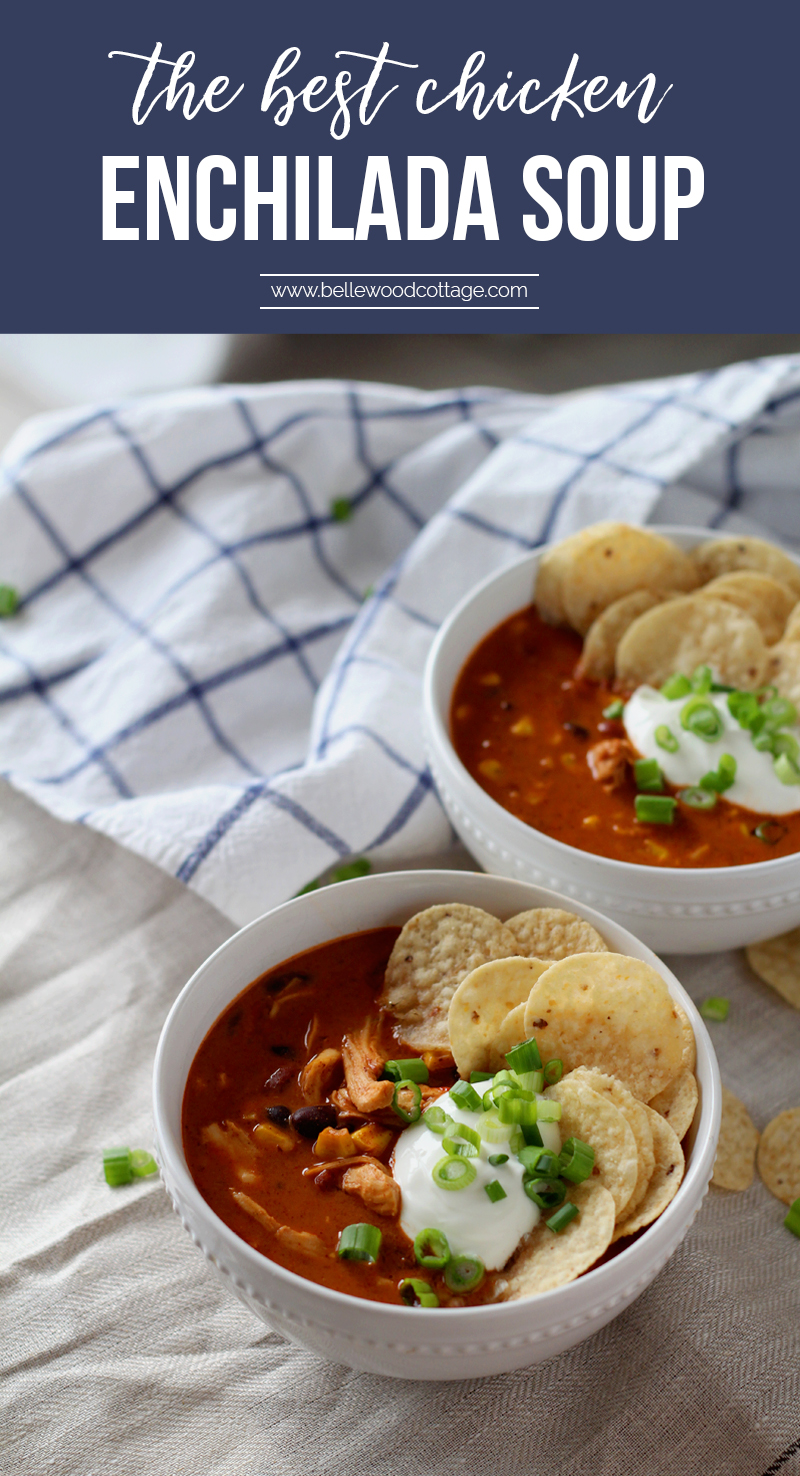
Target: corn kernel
{"x": 269, "y": 1135}
{"x": 491, "y": 679}
{"x": 660, "y": 852}
{"x": 371, "y": 1138}
{"x": 335, "y": 1143}
{"x": 463, "y": 711}
{"x": 523, "y": 728}
{"x": 591, "y": 821}
{"x": 491, "y": 769}
{"x": 568, "y": 760}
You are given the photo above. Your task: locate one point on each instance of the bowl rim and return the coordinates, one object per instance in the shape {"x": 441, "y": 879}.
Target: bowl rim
{"x": 178, "y": 1180}
{"x": 771, "y": 865}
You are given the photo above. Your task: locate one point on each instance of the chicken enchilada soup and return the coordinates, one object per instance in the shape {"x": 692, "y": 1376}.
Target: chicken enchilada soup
{"x": 645, "y": 706}
{"x": 429, "y": 1116}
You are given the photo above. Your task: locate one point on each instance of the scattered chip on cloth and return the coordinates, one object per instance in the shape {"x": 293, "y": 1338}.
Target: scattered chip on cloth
{"x": 779, "y": 1155}
{"x": 738, "y": 1139}
{"x": 777, "y": 962}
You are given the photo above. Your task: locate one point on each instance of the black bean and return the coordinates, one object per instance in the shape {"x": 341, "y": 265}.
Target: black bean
{"x": 281, "y": 1050}
{"x": 279, "y": 1114}
{"x": 309, "y": 1121}
{"x": 278, "y": 1080}
{"x": 577, "y": 730}
{"x": 235, "y": 1021}
{"x": 324, "y": 1180}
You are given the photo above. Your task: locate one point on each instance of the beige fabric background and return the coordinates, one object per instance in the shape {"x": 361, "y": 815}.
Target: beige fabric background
{"x": 123, "y": 1356}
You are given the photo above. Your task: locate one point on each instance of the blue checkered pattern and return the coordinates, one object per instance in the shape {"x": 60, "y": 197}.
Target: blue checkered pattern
{"x": 218, "y": 668}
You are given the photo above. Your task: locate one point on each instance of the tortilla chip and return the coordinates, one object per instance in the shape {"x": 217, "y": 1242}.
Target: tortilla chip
{"x": 614, "y": 560}
{"x": 736, "y": 1151}
{"x": 636, "y": 1117}
{"x": 791, "y": 632}
{"x": 555, "y": 567}
{"x": 436, "y": 949}
{"x": 546, "y": 1260}
{"x": 784, "y": 669}
{"x": 689, "y": 1059}
{"x": 779, "y": 1156}
{"x": 592, "y": 1117}
{"x": 677, "y": 1103}
{"x": 605, "y": 633}
{"x": 777, "y": 962}
{"x": 549, "y": 932}
{"x": 692, "y": 631}
{"x": 611, "y": 1012}
{"x": 480, "y": 1005}
{"x": 724, "y": 555}
{"x": 768, "y": 601}
{"x": 666, "y": 1179}
{"x": 511, "y": 1033}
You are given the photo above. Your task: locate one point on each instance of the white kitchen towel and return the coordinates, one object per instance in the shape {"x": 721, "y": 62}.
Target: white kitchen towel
{"x": 228, "y": 594}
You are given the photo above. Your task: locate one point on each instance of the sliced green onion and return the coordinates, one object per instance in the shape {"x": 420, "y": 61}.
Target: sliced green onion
{"x": 744, "y": 707}
{"x": 702, "y": 679}
{"x": 506, "y": 1078}
{"x": 431, "y": 1249}
{"x": 786, "y": 743}
{"x": 547, "y": 1193}
{"x": 786, "y": 769}
{"x": 553, "y": 1071}
{"x": 647, "y": 774}
{"x": 517, "y": 1110}
{"x": 359, "y": 1243}
{"x": 476, "y": 1076}
{"x": 495, "y": 1095}
{"x": 491, "y": 1129}
{"x": 459, "y": 1150}
{"x": 765, "y": 694}
{"x": 531, "y": 1135}
{"x": 542, "y": 1160}
{"x": 437, "y": 1120}
{"x": 792, "y": 1221}
{"x": 341, "y": 509}
{"x": 351, "y": 869}
{"x": 466, "y": 1097}
{"x": 697, "y": 798}
{"x": 524, "y": 1057}
{"x": 412, "y": 1070}
{"x": 576, "y": 1160}
{"x": 715, "y": 1008}
{"x": 517, "y": 1139}
{"x": 460, "y": 1130}
{"x": 496, "y": 1159}
{"x": 531, "y": 1081}
{"x": 117, "y": 1166}
{"x": 699, "y": 716}
{"x": 770, "y": 832}
{"x": 454, "y": 1173}
{"x": 416, "y": 1293}
{"x": 415, "y": 1111}
{"x": 722, "y": 687}
{"x": 676, "y": 686}
{"x": 614, "y": 711}
{"x": 143, "y": 1164}
{"x": 655, "y": 809}
{"x": 765, "y": 741}
{"x": 495, "y": 1191}
{"x": 9, "y": 601}
{"x": 722, "y": 777}
{"x": 666, "y": 739}
{"x": 464, "y": 1273}
{"x": 562, "y": 1217}
{"x": 779, "y": 712}
{"x": 548, "y": 1111}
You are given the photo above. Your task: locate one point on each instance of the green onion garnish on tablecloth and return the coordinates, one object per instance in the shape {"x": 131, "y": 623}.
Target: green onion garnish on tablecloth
{"x": 123, "y": 1165}
{"x": 655, "y": 809}
{"x": 416, "y": 1293}
{"x": 341, "y": 509}
{"x": 464, "y": 1273}
{"x": 562, "y": 1217}
{"x": 359, "y": 1243}
{"x": 9, "y": 601}
{"x": 792, "y": 1221}
{"x": 431, "y": 1249}
{"x": 715, "y": 1008}
{"x": 143, "y": 1164}
{"x": 413, "y": 1069}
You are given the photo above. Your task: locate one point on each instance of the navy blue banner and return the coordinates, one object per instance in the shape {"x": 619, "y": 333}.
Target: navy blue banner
{"x": 362, "y": 167}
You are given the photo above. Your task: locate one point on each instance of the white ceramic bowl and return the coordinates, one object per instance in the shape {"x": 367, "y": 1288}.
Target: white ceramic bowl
{"x": 686, "y": 910}
{"x": 407, "y": 1342}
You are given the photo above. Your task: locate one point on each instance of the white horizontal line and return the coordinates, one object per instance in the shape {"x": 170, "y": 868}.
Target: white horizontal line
{"x": 378, "y": 308}
{"x": 399, "y": 274}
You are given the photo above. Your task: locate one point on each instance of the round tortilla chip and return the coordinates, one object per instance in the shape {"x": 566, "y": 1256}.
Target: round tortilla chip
{"x": 481, "y": 1004}
{"x": 605, "y": 633}
{"x": 779, "y": 1156}
{"x": 551, "y": 933}
{"x": 615, "y": 560}
{"x": 736, "y": 1150}
{"x": 511, "y": 1033}
{"x": 433, "y": 953}
{"x": 556, "y": 567}
{"x": 724, "y": 555}
{"x": 593, "y": 1118}
{"x": 665, "y": 1182}
{"x": 766, "y": 599}
{"x": 546, "y": 1260}
{"x": 689, "y": 1060}
{"x": 692, "y": 631}
{"x": 677, "y": 1103}
{"x": 612, "y": 1012}
{"x": 791, "y": 632}
{"x": 777, "y": 962}
{"x": 636, "y": 1117}
{"x": 784, "y": 669}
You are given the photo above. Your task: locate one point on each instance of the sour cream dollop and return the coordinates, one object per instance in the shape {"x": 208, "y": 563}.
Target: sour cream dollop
{"x": 474, "y": 1226}
{"x": 756, "y": 786}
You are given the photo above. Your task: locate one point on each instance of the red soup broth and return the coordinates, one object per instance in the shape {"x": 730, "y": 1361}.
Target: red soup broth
{"x": 522, "y": 724}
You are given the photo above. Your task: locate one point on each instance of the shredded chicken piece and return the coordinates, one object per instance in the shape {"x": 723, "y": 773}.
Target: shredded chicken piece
{"x": 299, "y": 1240}
{"x": 341, "y": 1163}
{"x": 348, "y": 1112}
{"x": 363, "y": 1064}
{"x": 321, "y": 1073}
{"x": 231, "y": 1138}
{"x": 609, "y": 760}
{"x": 373, "y": 1183}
